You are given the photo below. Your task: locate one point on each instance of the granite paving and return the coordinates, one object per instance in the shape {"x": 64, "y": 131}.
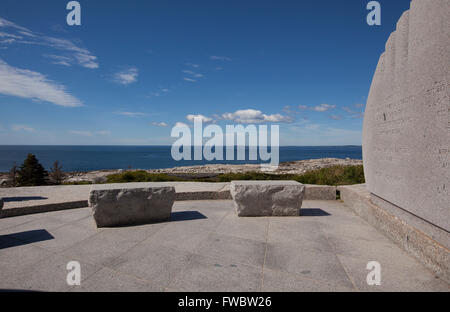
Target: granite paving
{"x": 206, "y": 247}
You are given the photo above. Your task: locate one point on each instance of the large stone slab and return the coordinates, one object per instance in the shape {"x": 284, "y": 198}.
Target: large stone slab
{"x": 115, "y": 205}
{"x": 406, "y": 135}
{"x": 267, "y": 198}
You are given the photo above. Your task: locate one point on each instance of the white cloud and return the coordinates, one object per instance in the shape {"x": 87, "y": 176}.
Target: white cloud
{"x": 192, "y": 73}
{"x": 190, "y": 80}
{"x": 22, "y": 128}
{"x": 181, "y": 125}
{"x": 219, "y": 58}
{"x": 7, "y": 35}
{"x": 33, "y": 85}
{"x": 73, "y": 53}
{"x": 303, "y": 107}
{"x": 203, "y": 118}
{"x": 59, "y": 59}
{"x": 159, "y": 124}
{"x": 126, "y": 76}
{"x": 323, "y": 107}
{"x": 249, "y": 116}
{"x": 192, "y": 65}
{"x": 354, "y": 114}
{"x": 318, "y": 108}
{"x": 130, "y": 114}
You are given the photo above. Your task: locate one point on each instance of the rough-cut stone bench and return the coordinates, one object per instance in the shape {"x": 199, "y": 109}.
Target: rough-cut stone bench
{"x": 116, "y": 205}
{"x": 267, "y": 198}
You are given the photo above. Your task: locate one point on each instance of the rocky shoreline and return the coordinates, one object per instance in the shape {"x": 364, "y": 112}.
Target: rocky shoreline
{"x": 210, "y": 170}
{"x": 292, "y": 167}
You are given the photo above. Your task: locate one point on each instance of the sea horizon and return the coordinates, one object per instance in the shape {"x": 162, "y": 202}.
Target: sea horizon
{"x": 110, "y": 157}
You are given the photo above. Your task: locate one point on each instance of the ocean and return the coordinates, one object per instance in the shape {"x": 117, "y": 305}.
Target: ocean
{"x": 88, "y": 158}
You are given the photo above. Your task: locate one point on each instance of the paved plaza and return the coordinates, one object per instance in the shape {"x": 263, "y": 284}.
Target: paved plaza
{"x": 206, "y": 247}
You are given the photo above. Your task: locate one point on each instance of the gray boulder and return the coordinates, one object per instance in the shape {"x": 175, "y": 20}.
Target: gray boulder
{"x": 127, "y": 204}
{"x": 267, "y": 198}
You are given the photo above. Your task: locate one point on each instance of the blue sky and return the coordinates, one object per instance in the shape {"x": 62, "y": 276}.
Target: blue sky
{"x": 135, "y": 68}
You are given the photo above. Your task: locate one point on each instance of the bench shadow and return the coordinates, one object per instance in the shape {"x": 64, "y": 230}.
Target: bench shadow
{"x": 24, "y": 238}
{"x": 22, "y": 198}
{"x": 313, "y": 212}
{"x": 186, "y": 216}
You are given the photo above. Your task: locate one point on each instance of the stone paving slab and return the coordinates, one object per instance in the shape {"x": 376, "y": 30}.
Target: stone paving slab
{"x": 205, "y": 247}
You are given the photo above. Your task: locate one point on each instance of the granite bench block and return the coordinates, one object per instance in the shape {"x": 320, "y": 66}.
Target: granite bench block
{"x": 267, "y": 198}
{"x": 122, "y": 205}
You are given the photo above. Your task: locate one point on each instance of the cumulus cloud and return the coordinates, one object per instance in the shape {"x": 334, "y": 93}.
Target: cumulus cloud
{"x": 72, "y": 52}
{"x": 127, "y": 76}
{"x": 203, "y": 118}
{"x": 249, "y": 116}
{"x": 181, "y": 125}
{"x": 323, "y": 107}
{"x": 33, "y": 85}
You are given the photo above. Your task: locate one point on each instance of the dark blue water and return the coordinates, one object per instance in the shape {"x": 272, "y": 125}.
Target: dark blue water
{"x": 86, "y": 158}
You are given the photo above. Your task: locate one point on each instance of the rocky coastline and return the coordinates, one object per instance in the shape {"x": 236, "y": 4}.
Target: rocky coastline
{"x": 292, "y": 167}
{"x": 209, "y": 170}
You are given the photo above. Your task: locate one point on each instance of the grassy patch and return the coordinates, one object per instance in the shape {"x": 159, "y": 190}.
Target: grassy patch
{"x": 77, "y": 183}
{"x": 140, "y": 176}
{"x": 335, "y": 175}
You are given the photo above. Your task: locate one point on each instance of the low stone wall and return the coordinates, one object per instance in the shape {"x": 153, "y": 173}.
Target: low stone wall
{"x": 20, "y": 211}
{"x": 425, "y": 249}
{"x": 320, "y": 192}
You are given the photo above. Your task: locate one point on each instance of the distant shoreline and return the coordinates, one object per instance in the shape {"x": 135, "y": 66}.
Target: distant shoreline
{"x": 290, "y": 167}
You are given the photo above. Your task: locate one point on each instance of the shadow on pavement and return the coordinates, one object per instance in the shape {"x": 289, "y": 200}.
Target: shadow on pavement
{"x": 313, "y": 212}
{"x": 24, "y": 238}
{"x": 22, "y": 198}
{"x": 186, "y": 216}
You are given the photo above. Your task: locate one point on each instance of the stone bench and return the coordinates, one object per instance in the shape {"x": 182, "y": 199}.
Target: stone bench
{"x": 122, "y": 204}
{"x": 267, "y": 198}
